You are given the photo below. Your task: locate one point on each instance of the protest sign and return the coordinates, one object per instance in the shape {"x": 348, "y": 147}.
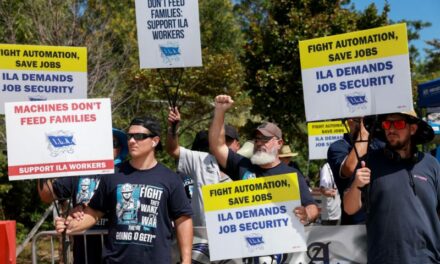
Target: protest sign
{"x": 38, "y": 73}
{"x": 255, "y": 217}
{"x": 321, "y": 135}
{"x": 59, "y": 138}
{"x": 356, "y": 74}
{"x": 168, "y": 33}
{"x": 325, "y": 244}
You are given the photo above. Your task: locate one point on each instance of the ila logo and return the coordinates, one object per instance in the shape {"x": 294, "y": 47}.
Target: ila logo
{"x": 60, "y": 142}
{"x": 356, "y": 101}
{"x": 170, "y": 53}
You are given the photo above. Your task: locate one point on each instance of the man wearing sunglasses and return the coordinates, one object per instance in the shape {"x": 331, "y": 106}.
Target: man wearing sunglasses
{"x": 265, "y": 160}
{"x": 141, "y": 201}
{"x": 80, "y": 190}
{"x": 400, "y": 189}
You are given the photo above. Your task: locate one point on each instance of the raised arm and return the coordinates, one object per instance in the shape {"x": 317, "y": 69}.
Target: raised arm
{"x": 353, "y": 195}
{"x": 172, "y": 144}
{"x": 184, "y": 230}
{"x": 217, "y": 143}
{"x": 349, "y": 165}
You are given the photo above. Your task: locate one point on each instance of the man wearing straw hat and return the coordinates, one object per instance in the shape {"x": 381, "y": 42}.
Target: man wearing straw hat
{"x": 400, "y": 189}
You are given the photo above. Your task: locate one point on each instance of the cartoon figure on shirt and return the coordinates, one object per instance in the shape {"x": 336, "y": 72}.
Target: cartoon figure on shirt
{"x": 86, "y": 189}
{"x": 127, "y": 204}
{"x": 249, "y": 175}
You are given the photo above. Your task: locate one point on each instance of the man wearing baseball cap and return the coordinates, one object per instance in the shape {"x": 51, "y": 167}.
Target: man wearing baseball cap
{"x": 265, "y": 160}
{"x": 142, "y": 182}
{"x": 400, "y": 189}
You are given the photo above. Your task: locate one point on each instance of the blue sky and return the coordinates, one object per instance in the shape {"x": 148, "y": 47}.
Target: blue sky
{"x": 425, "y": 10}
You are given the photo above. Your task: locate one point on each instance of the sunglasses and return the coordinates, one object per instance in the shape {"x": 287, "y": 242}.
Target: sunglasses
{"x": 139, "y": 136}
{"x": 262, "y": 139}
{"x": 397, "y": 124}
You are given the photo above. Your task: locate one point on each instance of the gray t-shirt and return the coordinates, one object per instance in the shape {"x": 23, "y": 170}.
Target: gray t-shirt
{"x": 203, "y": 168}
{"x": 330, "y": 206}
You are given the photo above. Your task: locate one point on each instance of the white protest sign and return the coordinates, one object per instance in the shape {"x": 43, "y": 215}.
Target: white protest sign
{"x": 253, "y": 217}
{"x": 322, "y": 135}
{"x": 39, "y": 73}
{"x": 168, "y": 33}
{"x": 325, "y": 244}
{"x": 59, "y": 138}
{"x": 356, "y": 74}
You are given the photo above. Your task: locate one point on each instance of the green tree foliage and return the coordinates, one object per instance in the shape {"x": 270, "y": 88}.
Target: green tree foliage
{"x": 273, "y": 30}
{"x": 107, "y": 29}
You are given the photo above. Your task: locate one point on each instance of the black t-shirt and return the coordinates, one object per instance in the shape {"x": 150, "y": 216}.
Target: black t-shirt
{"x": 140, "y": 205}
{"x": 79, "y": 190}
{"x": 241, "y": 168}
{"x": 403, "y": 225}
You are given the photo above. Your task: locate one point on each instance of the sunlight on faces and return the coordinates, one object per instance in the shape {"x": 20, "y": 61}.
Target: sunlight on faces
{"x": 265, "y": 151}
{"x": 399, "y": 138}
{"x": 142, "y": 147}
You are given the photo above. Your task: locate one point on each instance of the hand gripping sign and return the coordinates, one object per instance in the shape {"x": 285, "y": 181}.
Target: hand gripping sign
{"x": 356, "y": 74}
{"x": 255, "y": 217}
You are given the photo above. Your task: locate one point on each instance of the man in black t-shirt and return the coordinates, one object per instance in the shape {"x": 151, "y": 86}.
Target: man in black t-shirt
{"x": 265, "y": 160}
{"x": 140, "y": 227}
{"x": 402, "y": 199}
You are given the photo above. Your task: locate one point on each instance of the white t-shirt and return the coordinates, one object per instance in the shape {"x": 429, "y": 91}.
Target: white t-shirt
{"x": 203, "y": 168}
{"x": 331, "y": 206}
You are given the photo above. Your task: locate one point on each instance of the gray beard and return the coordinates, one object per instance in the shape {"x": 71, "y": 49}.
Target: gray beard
{"x": 263, "y": 158}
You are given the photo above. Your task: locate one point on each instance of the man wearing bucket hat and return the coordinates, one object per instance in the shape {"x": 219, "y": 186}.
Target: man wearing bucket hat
{"x": 400, "y": 189}
{"x": 80, "y": 190}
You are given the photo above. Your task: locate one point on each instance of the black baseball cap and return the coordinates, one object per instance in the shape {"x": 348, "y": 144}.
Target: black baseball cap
{"x": 151, "y": 124}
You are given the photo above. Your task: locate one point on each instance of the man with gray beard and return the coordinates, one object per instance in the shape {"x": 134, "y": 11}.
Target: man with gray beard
{"x": 265, "y": 160}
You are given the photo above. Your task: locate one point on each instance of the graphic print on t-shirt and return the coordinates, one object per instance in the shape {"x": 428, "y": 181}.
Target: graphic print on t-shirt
{"x": 128, "y": 204}
{"x": 137, "y": 210}
{"x": 86, "y": 189}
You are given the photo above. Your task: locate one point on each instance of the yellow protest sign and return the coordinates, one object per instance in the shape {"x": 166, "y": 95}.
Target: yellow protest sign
{"x": 356, "y": 46}
{"x": 258, "y": 191}
{"x": 46, "y": 58}
{"x": 359, "y": 73}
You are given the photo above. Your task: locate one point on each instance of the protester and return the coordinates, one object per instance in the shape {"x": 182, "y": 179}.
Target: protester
{"x": 265, "y": 160}
{"x": 400, "y": 189}
{"x": 330, "y": 199}
{"x": 139, "y": 233}
{"x": 342, "y": 158}
{"x": 79, "y": 190}
{"x": 197, "y": 163}
{"x": 286, "y": 156}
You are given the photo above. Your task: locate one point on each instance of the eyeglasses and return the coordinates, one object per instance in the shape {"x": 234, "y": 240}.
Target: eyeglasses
{"x": 139, "y": 136}
{"x": 262, "y": 139}
{"x": 397, "y": 124}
